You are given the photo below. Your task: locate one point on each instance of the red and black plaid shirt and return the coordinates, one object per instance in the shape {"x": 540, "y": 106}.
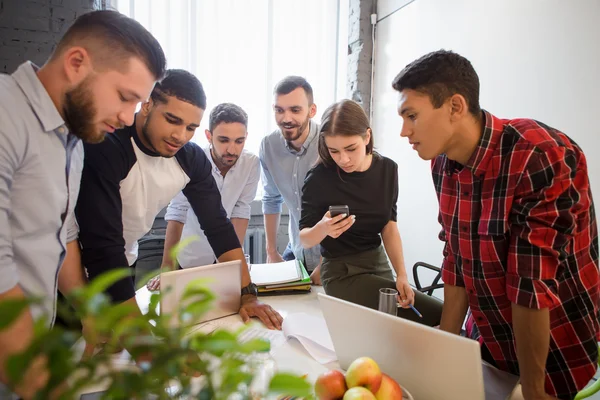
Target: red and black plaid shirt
{"x": 519, "y": 225}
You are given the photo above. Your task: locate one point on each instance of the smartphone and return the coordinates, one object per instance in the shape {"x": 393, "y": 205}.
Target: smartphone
{"x": 337, "y": 210}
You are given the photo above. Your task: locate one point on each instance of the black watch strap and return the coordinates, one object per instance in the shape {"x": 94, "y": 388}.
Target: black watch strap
{"x": 250, "y": 289}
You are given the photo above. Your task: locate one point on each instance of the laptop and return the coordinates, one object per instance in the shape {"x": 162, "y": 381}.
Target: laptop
{"x": 223, "y": 279}
{"x": 431, "y": 364}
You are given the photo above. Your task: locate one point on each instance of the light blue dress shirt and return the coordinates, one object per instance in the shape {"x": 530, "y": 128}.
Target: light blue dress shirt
{"x": 283, "y": 173}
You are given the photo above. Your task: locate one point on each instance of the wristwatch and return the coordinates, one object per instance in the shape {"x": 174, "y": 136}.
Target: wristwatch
{"x": 250, "y": 289}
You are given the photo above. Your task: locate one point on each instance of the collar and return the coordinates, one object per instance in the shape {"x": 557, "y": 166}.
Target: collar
{"x": 480, "y": 159}
{"x": 26, "y": 77}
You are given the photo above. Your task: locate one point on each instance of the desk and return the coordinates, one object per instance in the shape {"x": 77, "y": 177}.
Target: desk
{"x": 290, "y": 356}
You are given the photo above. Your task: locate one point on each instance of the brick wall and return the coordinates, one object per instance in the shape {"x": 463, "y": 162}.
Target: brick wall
{"x": 30, "y": 29}
{"x": 360, "y": 49}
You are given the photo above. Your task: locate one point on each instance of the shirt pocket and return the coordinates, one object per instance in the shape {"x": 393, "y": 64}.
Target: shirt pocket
{"x": 493, "y": 237}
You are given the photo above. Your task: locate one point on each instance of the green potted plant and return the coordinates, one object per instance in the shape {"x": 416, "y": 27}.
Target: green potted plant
{"x": 181, "y": 365}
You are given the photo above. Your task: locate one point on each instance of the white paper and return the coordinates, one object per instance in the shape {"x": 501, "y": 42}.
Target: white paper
{"x": 276, "y": 338}
{"x": 311, "y": 331}
{"x": 275, "y": 273}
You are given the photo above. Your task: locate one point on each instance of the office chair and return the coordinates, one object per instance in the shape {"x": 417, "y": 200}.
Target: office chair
{"x": 428, "y": 290}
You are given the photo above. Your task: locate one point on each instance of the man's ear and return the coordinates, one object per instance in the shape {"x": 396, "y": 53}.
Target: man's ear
{"x": 458, "y": 107}
{"x": 147, "y": 107}
{"x": 208, "y": 135}
{"x": 77, "y": 65}
{"x": 313, "y": 110}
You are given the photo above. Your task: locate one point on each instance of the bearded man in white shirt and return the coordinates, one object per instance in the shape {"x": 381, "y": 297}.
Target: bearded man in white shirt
{"x": 236, "y": 172}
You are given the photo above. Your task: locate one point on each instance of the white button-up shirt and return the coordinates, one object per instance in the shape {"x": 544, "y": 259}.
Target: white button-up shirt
{"x": 238, "y": 189}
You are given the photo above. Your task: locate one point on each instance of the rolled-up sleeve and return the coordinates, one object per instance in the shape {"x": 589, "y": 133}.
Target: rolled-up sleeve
{"x": 11, "y": 153}
{"x": 242, "y": 207}
{"x": 541, "y": 227}
{"x": 72, "y": 228}
{"x": 272, "y": 199}
{"x": 178, "y": 209}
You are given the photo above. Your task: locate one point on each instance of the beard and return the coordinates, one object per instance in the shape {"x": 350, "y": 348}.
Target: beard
{"x": 79, "y": 112}
{"x": 293, "y": 135}
{"x": 228, "y": 159}
{"x": 223, "y": 160}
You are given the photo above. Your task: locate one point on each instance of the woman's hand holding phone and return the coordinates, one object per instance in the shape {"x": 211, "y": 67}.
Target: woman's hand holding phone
{"x": 337, "y": 225}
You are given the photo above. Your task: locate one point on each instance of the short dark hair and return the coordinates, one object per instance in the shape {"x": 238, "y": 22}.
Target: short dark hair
{"x": 291, "y": 83}
{"x": 227, "y": 113}
{"x": 344, "y": 118}
{"x": 181, "y": 84}
{"x": 111, "y": 37}
{"x": 440, "y": 75}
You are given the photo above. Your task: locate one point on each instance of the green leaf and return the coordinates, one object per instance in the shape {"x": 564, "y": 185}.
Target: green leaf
{"x": 198, "y": 290}
{"x": 181, "y": 245}
{"x": 233, "y": 378}
{"x": 290, "y": 385}
{"x": 258, "y": 345}
{"x": 10, "y": 310}
{"x": 103, "y": 282}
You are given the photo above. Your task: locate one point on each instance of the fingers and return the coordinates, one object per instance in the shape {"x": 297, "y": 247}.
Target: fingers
{"x": 265, "y": 313}
{"x": 406, "y": 295}
{"x": 342, "y": 226}
{"x": 244, "y": 315}
{"x": 315, "y": 278}
{"x": 264, "y": 317}
{"x": 402, "y": 299}
{"x": 410, "y": 296}
{"x": 276, "y": 318}
{"x": 88, "y": 352}
{"x": 154, "y": 283}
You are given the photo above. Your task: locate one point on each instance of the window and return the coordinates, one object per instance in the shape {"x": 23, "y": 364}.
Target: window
{"x": 239, "y": 49}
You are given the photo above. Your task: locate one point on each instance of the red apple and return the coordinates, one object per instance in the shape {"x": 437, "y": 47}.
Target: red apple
{"x": 364, "y": 371}
{"x": 330, "y": 385}
{"x": 359, "y": 393}
{"x": 389, "y": 389}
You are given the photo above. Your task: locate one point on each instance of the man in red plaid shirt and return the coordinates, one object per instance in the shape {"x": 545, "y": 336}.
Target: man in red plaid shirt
{"x": 518, "y": 221}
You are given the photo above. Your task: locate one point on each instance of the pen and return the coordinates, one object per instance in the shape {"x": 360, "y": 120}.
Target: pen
{"x": 415, "y": 310}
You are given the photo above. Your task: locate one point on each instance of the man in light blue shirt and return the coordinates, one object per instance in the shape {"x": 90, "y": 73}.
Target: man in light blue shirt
{"x": 236, "y": 172}
{"x": 286, "y": 155}
{"x": 89, "y": 86}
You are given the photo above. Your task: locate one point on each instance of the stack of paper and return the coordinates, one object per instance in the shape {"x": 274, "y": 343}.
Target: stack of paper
{"x": 288, "y": 277}
{"x": 311, "y": 331}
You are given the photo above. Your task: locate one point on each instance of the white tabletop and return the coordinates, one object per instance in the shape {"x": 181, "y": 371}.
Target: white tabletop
{"x": 289, "y": 355}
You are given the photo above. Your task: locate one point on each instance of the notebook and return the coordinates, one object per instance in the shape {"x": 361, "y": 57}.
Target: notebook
{"x": 275, "y": 273}
{"x": 304, "y": 280}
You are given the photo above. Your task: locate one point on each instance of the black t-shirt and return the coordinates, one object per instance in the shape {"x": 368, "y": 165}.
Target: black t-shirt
{"x": 371, "y": 196}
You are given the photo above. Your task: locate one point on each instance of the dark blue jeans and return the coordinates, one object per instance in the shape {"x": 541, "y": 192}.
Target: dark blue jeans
{"x": 288, "y": 254}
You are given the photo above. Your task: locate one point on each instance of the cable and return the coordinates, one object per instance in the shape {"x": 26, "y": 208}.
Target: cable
{"x": 373, "y": 25}
{"x": 396, "y": 10}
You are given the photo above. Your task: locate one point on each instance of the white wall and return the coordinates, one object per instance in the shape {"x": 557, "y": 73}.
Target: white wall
{"x": 535, "y": 58}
